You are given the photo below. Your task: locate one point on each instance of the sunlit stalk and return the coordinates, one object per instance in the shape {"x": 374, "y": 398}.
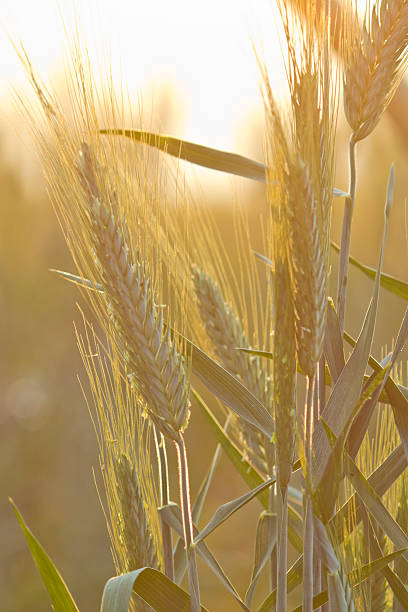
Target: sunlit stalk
{"x": 308, "y": 510}
{"x": 165, "y": 498}
{"x": 346, "y": 236}
{"x": 188, "y": 524}
{"x": 282, "y": 548}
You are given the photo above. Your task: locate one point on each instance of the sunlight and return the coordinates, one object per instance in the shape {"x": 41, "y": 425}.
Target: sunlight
{"x": 201, "y": 52}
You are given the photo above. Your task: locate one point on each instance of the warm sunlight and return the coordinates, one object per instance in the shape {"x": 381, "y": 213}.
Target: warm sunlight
{"x": 202, "y": 51}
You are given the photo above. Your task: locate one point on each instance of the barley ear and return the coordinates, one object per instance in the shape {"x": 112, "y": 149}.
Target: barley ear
{"x": 156, "y": 365}
{"x": 375, "y": 57}
{"x": 137, "y": 537}
{"x": 133, "y": 525}
{"x": 225, "y": 332}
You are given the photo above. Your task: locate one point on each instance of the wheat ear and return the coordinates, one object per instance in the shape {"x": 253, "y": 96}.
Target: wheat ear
{"x": 156, "y": 365}
{"x": 307, "y": 258}
{"x": 375, "y": 58}
{"x": 225, "y": 332}
{"x": 136, "y": 535}
{"x": 137, "y": 539}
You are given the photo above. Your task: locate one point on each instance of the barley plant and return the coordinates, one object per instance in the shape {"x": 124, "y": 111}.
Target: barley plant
{"x": 175, "y": 325}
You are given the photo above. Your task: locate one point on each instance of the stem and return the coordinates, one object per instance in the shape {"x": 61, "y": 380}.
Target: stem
{"x": 321, "y": 385}
{"x": 319, "y": 403}
{"x": 188, "y": 525}
{"x": 281, "y": 604}
{"x": 308, "y": 520}
{"x": 317, "y": 575}
{"x": 274, "y": 554}
{"x": 308, "y": 557}
{"x": 346, "y": 236}
{"x": 165, "y": 498}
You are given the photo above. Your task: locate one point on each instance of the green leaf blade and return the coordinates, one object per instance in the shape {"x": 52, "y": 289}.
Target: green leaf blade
{"x": 207, "y": 157}
{"x": 151, "y": 585}
{"x": 58, "y": 592}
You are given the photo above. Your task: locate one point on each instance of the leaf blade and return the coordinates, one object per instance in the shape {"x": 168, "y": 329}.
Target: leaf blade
{"x": 58, "y": 592}
{"x": 223, "y": 161}
{"x": 151, "y": 585}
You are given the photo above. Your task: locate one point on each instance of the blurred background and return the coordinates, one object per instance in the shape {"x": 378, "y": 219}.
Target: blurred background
{"x": 193, "y": 65}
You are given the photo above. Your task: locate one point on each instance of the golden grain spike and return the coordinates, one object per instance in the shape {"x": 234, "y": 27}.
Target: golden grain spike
{"x": 137, "y": 538}
{"x": 133, "y": 525}
{"x": 307, "y": 258}
{"x": 155, "y": 364}
{"x": 375, "y": 57}
{"x": 225, "y": 332}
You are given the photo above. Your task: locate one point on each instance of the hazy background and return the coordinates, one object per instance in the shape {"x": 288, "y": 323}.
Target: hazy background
{"x": 193, "y": 64}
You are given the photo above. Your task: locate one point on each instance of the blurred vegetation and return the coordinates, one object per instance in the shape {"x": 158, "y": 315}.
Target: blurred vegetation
{"x": 47, "y": 443}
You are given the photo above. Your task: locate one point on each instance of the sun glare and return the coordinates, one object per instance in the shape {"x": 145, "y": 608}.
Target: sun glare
{"x": 192, "y": 59}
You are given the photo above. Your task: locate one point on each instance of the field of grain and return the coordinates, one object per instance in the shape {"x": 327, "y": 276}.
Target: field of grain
{"x": 212, "y": 388}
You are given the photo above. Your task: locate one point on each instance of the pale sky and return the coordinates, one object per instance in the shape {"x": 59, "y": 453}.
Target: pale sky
{"x": 202, "y": 47}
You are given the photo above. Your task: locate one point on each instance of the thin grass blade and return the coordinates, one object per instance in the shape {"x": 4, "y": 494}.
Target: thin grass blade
{"x": 61, "y": 598}
{"x": 374, "y": 505}
{"x": 228, "y": 509}
{"x": 398, "y": 588}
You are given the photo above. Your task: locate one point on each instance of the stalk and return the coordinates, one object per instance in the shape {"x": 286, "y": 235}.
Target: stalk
{"x": 165, "y": 498}
{"x": 274, "y": 559}
{"x": 308, "y": 520}
{"x": 282, "y": 549}
{"x": 346, "y": 236}
{"x": 188, "y": 524}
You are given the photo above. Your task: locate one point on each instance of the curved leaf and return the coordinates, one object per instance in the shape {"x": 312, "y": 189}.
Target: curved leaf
{"x": 391, "y": 283}
{"x": 171, "y": 514}
{"x": 266, "y": 537}
{"x": 230, "y": 391}
{"x": 197, "y": 154}
{"x": 60, "y": 596}
{"x": 226, "y": 510}
{"x": 151, "y": 585}
{"x": 374, "y": 505}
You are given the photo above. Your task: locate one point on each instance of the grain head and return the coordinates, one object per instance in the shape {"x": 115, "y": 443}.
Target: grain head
{"x": 375, "y": 57}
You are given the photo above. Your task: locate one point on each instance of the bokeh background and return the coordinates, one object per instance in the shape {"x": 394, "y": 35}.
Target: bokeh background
{"x": 194, "y": 67}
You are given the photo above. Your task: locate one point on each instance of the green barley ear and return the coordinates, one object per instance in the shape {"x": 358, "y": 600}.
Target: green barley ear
{"x": 156, "y": 366}
{"x": 375, "y": 58}
{"x": 304, "y": 165}
{"x": 225, "y": 332}
{"x": 123, "y": 435}
{"x": 284, "y": 345}
{"x": 137, "y": 537}
{"x": 308, "y": 262}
